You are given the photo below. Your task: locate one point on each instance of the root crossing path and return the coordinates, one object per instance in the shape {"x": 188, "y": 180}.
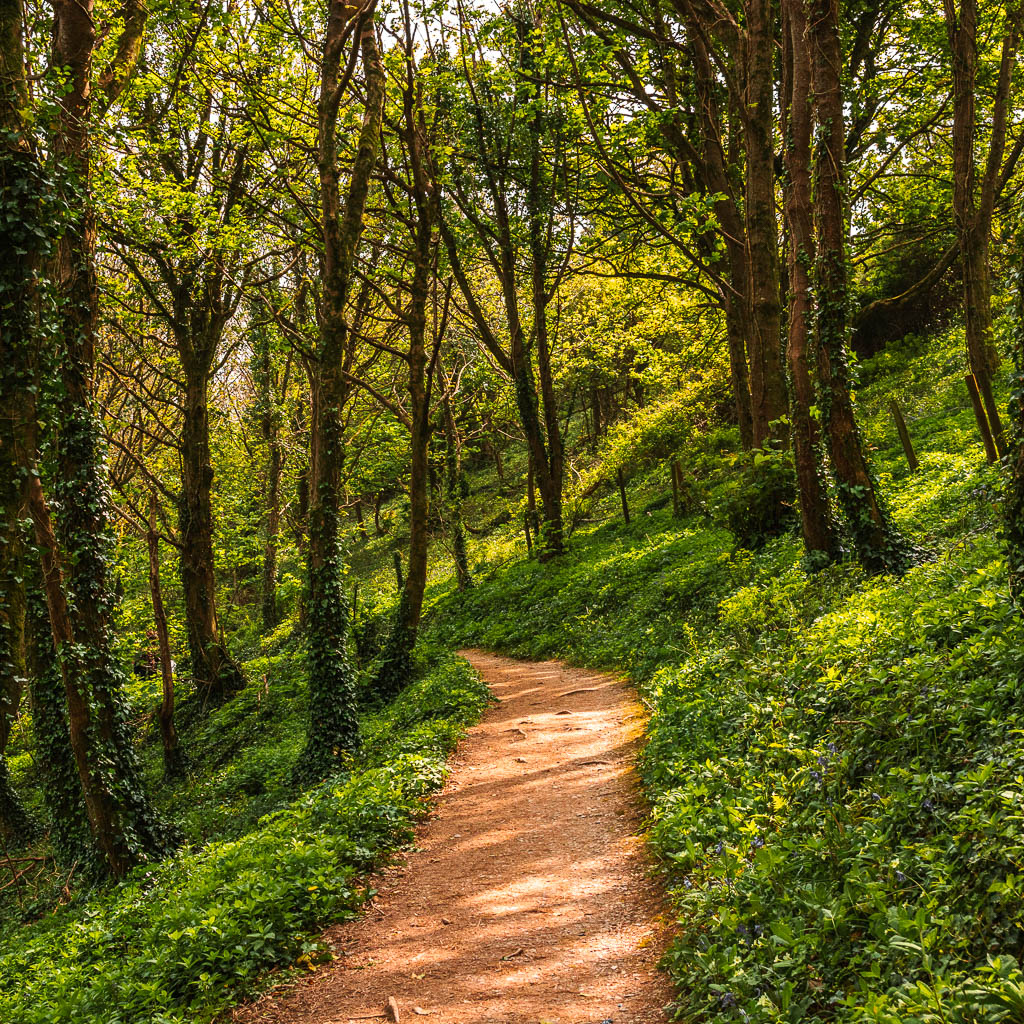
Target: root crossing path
{"x": 527, "y": 899}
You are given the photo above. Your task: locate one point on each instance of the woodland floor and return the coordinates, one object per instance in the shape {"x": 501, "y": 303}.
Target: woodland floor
{"x": 527, "y": 898}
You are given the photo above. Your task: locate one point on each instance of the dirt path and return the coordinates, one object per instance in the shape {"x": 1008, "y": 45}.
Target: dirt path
{"x": 526, "y": 899}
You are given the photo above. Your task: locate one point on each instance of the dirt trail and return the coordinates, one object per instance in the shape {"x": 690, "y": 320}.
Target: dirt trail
{"x": 526, "y": 900}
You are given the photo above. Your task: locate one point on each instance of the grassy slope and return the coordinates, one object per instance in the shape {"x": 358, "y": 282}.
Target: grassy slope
{"x": 834, "y": 766}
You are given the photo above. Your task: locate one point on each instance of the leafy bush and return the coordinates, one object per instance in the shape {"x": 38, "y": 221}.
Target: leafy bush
{"x": 759, "y": 502}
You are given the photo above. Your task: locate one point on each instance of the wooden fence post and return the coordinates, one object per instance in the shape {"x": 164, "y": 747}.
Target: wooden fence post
{"x": 901, "y": 429}
{"x": 622, "y": 495}
{"x": 979, "y": 414}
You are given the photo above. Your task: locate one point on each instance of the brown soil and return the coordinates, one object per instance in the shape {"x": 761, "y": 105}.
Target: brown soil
{"x": 527, "y": 898}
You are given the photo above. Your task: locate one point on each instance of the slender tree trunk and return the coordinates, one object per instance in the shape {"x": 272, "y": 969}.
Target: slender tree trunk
{"x": 1013, "y": 504}
{"x": 173, "y": 761}
{"x": 735, "y": 300}
{"x": 817, "y": 524}
{"x": 215, "y": 673}
{"x": 269, "y": 429}
{"x": 333, "y": 725}
{"x": 550, "y": 473}
{"x": 879, "y": 547}
{"x": 455, "y": 486}
{"x": 767, "y": 379}
{"x": 974, "y": 224}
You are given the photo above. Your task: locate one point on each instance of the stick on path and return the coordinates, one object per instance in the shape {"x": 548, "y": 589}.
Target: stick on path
{"x": 527, "y": 898}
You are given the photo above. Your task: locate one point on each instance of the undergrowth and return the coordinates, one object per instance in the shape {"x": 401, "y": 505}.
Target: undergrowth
{"x": 181, "y": 940}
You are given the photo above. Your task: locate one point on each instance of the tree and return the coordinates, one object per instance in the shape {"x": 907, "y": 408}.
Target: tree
{"x": 879, "y": 546}
{"x": 974, "y": 194}
{"x": 333, "y": 727}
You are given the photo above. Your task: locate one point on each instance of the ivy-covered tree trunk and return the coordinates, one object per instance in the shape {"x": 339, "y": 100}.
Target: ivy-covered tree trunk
{"x": 215, "y": 673}
{"x": 768, "y": 398}
{"x": 21, "y": 240}
{"x": 821, "y": 540}
{"x": 123, "y": 823}
{"x": 879, "y": 547}
{"x": 14, "y": 821}
{"x": 333, "y": 726}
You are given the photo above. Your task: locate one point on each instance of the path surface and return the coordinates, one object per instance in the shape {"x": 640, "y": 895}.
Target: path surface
{"x": 526, "y": 900}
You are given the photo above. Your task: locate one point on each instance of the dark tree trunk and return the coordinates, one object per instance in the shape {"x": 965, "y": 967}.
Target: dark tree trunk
{"x": 215, "y": 673}
{"x": 821, "y": 540}
{"x": 1013, "y": 505}
{"x": 269, "y": 429}
{"x": 333, "y": 726}
{"x": 455, "y": 487}
{"x": 973, "y": 206}
{"x": 734, "y": 297}
{"x": 764, "y": 342}
{"x": 879, "y": 547}
{"x": 173, "y": 760}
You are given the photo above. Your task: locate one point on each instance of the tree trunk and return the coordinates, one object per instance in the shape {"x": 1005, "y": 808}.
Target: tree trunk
{"x": 214, "y": 672}
{"x": 19, "y": 174}
{"x": 173, "y": 761}
{"x": 455, "y": 488}
{"x": 879, "y": 547}
{"x": 62, "y": 788}
{"x": 333, "y": 726}
{"x": 973, "y": 220}
{"x": 820, "y": 538}
{"x": 123, "y": 823}
{"x": 269, "y": 429}
{"x": 767, "y": 379}
{"x": 1013, "y": 504}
